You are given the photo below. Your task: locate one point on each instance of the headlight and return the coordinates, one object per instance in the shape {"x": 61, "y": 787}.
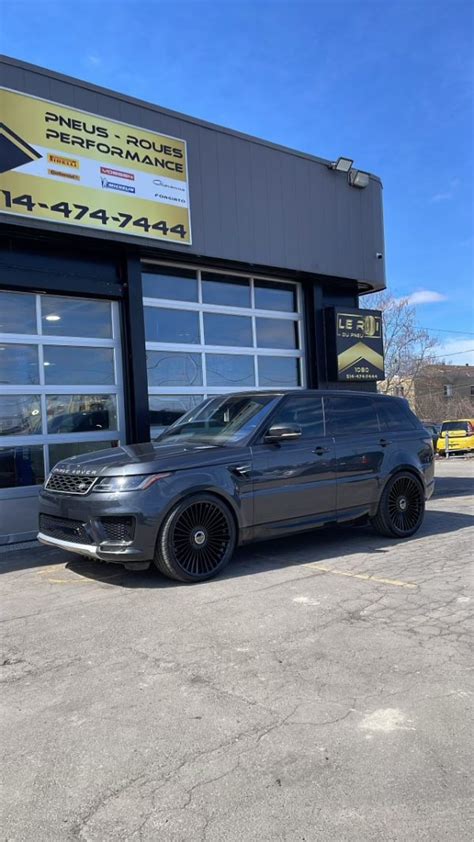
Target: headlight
{"x": 132, "y": 483}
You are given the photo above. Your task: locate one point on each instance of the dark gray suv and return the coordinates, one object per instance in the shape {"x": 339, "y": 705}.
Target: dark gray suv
{"x": 239, "y": 468}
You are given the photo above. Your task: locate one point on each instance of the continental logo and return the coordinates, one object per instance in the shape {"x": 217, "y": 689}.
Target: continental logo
{"x": 360, "y": 327}
{"x": 72, "y": 176}
{"x": 59, "y": 161}
{"x": 357, "y": 354}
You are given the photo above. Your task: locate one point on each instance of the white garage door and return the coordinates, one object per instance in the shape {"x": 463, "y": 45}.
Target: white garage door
{"x": 210, "y": 332}
{"x": 60, "y": 392}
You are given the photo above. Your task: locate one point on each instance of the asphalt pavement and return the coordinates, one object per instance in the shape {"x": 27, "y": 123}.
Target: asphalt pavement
{"x": 321, "y": 689}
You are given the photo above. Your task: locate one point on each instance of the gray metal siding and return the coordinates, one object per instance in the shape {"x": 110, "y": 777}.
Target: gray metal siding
{"x": 251, "y": 201}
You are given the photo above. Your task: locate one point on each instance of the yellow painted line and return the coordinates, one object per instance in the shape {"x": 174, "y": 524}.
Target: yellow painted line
{"x": 54, "y": 568}
{"x": 85, "y": 581}
{"x": 77, "y": 580}
{"x": 364, "y": 576}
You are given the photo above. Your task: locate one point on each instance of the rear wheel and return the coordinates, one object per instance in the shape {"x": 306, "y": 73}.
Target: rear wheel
{"x": 197, "y": 539}
{"x": 401, "y": 507}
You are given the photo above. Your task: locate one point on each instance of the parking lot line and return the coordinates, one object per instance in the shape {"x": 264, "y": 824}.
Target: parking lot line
{"x": 365, "y": 576}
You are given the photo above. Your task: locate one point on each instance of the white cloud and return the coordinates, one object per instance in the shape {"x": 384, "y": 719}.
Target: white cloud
{"x": 442, "y": 197}
{"x": 93, "y": 60}
{"x": 457, "y": 351}
{"x": 424, "y": 296}
{"x": 446, "y": 195}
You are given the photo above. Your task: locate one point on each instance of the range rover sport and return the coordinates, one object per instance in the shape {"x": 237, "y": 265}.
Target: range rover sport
{"x": 238, "y": 468}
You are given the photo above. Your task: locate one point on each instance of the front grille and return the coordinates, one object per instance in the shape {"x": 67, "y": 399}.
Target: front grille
{"x": 67, "y": 484}
{"x": 118, "y": 528}
{"x": 66, "y": 530}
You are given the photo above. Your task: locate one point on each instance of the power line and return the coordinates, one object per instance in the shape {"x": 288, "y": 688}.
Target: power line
{"x": 456, "y": 354}
{"x": 445, "y": 330}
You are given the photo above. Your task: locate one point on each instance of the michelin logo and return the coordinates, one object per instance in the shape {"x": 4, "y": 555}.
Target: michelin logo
{"x": 114, "y": 185}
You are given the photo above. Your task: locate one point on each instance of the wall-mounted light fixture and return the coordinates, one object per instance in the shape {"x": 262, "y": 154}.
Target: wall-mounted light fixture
{"x": 357, "y": 178}
{"x": 342, "y": 165}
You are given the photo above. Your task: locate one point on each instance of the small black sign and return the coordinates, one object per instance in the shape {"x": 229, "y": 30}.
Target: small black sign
{"x": 358, "y": 345}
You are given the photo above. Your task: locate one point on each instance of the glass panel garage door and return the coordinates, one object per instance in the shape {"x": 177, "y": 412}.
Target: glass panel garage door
{"x": 60, "y": 387}
{"x": 211, "y": 332}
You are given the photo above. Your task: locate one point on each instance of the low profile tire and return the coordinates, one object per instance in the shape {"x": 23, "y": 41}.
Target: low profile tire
{"x": 401, "y": 507}
{"x": 197, "y": 539}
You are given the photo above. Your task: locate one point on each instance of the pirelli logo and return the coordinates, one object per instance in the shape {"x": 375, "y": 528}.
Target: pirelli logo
{"x": 60, "y": 161}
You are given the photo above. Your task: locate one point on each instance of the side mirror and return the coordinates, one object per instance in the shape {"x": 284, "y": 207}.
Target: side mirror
{"x": 279, "y": 432}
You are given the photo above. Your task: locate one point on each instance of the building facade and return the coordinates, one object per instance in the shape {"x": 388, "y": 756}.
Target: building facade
{"x": 147, "y": 260}
{"x": 444, "y": 392}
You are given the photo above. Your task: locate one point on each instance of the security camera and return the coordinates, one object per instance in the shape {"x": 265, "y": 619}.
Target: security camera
{"x": 379, "y": 255}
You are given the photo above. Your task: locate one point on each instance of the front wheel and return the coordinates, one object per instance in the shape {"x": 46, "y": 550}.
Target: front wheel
{"x": 401, "y": 507}
{"x": 197, "y": 539}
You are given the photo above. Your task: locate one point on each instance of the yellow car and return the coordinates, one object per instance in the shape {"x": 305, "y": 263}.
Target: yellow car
{"x": 460, "y": 436}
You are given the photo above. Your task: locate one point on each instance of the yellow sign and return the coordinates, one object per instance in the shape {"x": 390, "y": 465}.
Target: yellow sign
{"x": 62, "y": 165}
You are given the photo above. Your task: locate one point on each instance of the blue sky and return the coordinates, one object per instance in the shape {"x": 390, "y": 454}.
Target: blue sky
{"x": 385, "y": 82}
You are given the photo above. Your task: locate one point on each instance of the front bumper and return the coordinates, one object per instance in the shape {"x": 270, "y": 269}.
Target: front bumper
{"x": 81, "y": 525}
{"x": 118, "y": 554}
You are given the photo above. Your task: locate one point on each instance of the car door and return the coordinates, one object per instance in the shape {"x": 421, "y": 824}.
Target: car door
{"x": 360, "y": 449}
{"x": 295, "y": 479}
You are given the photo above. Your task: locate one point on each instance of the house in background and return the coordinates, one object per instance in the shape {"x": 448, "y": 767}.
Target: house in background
{"x": 442, "y": 392}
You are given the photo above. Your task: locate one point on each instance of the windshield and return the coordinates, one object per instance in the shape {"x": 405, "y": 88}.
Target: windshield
{"x": 459, "y": 426}
{"x": 223, "y": 420}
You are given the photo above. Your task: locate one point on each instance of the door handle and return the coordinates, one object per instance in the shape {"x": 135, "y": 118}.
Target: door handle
{"x": 385, "y": 442}
{"x": 320, "y": 450}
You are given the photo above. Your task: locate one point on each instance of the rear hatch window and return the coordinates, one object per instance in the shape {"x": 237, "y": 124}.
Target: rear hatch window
{"x": 456, "y": 428}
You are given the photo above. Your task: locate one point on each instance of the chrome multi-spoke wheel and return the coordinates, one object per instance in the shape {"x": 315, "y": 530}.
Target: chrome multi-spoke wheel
{"x": 401, "y": 508}
{"x": 197, "y": 539}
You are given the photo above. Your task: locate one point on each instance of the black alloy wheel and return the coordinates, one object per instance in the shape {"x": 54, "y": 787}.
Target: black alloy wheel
{"x": 401, "y": 508}
{"x": 197, "y": 539}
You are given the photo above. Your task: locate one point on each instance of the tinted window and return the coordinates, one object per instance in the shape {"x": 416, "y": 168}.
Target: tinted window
{"x": 18, "y": 364}
{"x": 225, "y": 290}
{"x": 168, "y": 368}
{"x": 349, "y": 415}
{"x": 307, "y": 413}
{"x": 230, "y": 370}
{"x": 75, "y": 317}
{"x": 20, "y": 415}
{"x": 17, "y": 313}
{"x": 66, "y": 365}
{"x": 395, "y": 416}
{"x": 276, "y": 333}
{"x": 271, "y": 296}
{"x": 181, "y": 326}
{"x": 227, "y": 330}
{"x": 175, "y": 284}
{"x": 278, "y": 371}
{"x": 81, "y": 413}
{"x": 455, "y": 425}
{"x": 21, "y": 465}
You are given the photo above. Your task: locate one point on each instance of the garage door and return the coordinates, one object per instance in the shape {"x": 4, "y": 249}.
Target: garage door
{"x": 211, "y": 332}
{"x": 60, "y": 392}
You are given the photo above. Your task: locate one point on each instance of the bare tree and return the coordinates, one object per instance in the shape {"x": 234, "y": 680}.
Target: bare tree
{"x": 407, "y": 347}
{"x": 431, "y": 401}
